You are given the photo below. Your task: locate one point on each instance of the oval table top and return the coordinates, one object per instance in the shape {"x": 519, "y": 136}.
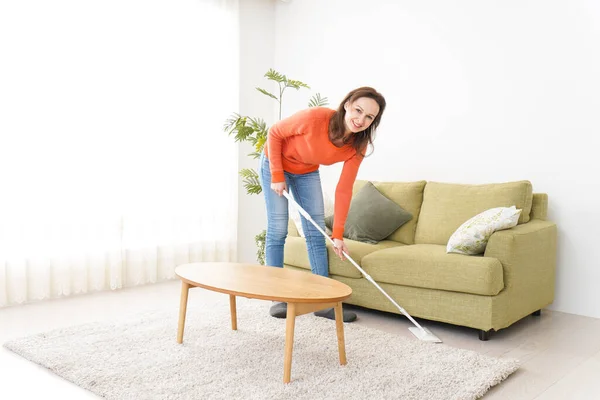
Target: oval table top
{"x": 262, "y": 282}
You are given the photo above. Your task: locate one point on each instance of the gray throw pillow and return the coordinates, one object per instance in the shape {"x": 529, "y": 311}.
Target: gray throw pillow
{"x": 372, "y": 216}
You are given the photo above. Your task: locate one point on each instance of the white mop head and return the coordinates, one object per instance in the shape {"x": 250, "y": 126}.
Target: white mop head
{"x": 424, "y": 334}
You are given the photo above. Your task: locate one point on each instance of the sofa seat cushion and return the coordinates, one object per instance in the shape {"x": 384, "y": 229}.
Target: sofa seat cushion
{"x": 295, "y": 254}
{"x": 429, "y": 266}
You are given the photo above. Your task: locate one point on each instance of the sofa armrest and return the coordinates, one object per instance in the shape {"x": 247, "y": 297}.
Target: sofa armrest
{"x": 528, "y": 255}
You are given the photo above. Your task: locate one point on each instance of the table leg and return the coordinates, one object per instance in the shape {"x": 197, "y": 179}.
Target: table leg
{"x": 233, "y": 311}
{"x": 289, "y": 341}
{"x": 185, "y": 288}
{"x": 339, "y": 324}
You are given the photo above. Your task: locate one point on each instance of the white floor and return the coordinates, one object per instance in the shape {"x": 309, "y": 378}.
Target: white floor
{"x": 560, "y": 353}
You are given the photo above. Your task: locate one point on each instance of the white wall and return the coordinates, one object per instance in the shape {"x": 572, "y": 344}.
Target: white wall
{"x": 257, "y": 50}
{"x": 477, "y": 92}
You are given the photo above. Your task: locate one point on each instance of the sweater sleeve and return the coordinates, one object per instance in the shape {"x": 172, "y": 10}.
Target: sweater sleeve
{"x": 343, "y": 194}
{"x": 281, "y": 130}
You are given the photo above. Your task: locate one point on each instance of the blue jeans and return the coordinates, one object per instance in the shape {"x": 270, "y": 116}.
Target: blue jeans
{"x": 306, "y": 190}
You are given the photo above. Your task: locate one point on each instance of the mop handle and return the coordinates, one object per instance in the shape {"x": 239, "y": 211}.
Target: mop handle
{"x": 362, "y": 271}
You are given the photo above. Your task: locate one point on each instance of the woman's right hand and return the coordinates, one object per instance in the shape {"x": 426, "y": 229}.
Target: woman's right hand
{"x": 279, "y": 187}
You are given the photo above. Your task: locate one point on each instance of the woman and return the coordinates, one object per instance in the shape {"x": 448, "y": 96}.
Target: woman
{"x": 296, "y": 147}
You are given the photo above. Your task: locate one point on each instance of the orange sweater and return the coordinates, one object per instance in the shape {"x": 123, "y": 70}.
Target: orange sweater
{"x": 300, "y": 143}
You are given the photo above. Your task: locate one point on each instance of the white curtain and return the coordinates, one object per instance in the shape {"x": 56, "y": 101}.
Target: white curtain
{"x": 114, "y": 167}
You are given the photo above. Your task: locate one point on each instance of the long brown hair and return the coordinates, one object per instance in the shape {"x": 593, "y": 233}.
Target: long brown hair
{"x": 360, "y": 140}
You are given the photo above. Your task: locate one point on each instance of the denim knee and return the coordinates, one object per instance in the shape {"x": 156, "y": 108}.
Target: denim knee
{"x": 277, "y": 226}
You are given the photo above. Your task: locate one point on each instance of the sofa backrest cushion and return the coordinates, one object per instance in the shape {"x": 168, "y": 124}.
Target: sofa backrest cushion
{"x": 409, "y": 196}
{"x": 539, "y": 206}
{"x": 446, "y": 206}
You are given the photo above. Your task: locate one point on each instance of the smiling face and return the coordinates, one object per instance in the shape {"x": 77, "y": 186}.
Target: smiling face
{"x": 360, "y": 114}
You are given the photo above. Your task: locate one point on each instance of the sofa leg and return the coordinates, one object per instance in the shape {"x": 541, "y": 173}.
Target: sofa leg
{"x": 537, "y": 313}
{"x": 484, "y": 335}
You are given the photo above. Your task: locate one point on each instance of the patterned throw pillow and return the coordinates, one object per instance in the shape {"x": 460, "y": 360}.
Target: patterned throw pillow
{"x": 472, "y": 236}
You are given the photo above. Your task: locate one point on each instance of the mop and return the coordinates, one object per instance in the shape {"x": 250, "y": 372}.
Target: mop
{"x": 421, "y": 333}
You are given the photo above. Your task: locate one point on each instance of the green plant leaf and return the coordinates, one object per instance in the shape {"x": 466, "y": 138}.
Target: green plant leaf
{"x": 243, "y": 133}
{"x": 318, "y": 101}
{"x": 231, "y": 122}
{"x": 260, "y": 241}
{"x": 251, "y": 181}
{"x": 296, "y": 84}
{"x": 254, "y": 155}
{"x": 260, "y": 133}
{"x": 237, "y": 125}
{"x": 259, "y": 126}
{"x": 260, "y": 145}
{"x": 263, "y": 91}
{"x": 275, "y": 76}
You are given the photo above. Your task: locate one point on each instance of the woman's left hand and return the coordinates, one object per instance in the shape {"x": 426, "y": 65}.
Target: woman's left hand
{"x": 340, "y": 247}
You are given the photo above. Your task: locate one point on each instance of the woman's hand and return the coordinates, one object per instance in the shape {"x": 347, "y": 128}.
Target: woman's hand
{"x": 279, "y": 187}
{"x": 340, "y": 246}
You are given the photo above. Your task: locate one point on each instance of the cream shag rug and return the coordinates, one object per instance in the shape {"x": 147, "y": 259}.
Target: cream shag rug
{"x": 139, "y": 358}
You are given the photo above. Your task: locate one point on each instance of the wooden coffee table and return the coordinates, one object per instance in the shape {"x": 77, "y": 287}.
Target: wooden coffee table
{"x": 302, "y": 291}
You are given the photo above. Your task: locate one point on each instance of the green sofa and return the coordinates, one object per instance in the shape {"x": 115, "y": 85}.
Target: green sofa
{"x": 514, "y": 278}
